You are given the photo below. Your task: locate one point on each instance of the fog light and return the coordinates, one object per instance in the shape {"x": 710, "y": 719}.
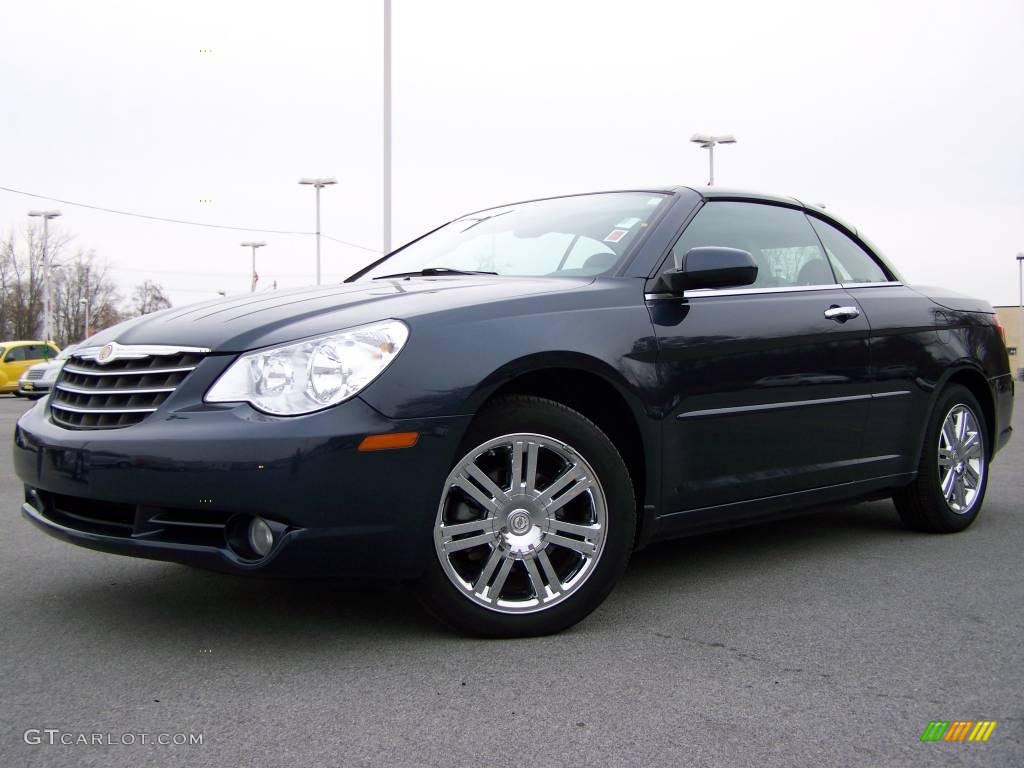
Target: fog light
{"x": 261, "y": 538}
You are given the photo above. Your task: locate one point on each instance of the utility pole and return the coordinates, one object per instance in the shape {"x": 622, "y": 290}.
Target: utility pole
{"x": 46, "y": 216}
{"x": 318, "y": 183}
{"x": 85, "y": 303}
{"x": 708, "y": 143}
{"x": 386, "y": 141}
{"x": 255, "y": 245}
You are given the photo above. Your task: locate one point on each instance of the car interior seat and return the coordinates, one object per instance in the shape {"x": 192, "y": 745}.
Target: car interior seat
{"x": 815, "y": 272}
{"x": 599, "y": 262}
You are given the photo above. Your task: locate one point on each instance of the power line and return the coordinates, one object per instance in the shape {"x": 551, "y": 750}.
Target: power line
{"x": 186, "y": 273}
{"x": 182, "y": 221}
{"x": 353, "y": 245}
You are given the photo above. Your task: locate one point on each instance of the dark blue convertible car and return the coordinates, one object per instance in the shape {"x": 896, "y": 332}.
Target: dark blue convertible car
{"x": 503, "y": 410}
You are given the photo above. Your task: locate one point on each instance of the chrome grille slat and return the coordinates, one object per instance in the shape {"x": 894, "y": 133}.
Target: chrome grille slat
{"x": 72, "y": 409}
{"x": 87, "y": 391}
{"x": 119, "y": 385}
{"x": 91, "y": 372}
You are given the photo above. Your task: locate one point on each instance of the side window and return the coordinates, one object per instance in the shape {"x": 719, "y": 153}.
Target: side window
{"x": 16, "y": 355}
{"x": 784, "y": 246}
{"x": 34, "y": 352}
{"x": 852, "y": 264}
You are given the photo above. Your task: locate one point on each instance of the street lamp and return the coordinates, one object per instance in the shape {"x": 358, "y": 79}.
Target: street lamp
{"x": 85, "y": 303}
{"x": 708, "y": 143}
{"x": 318, "y": 184}
{"x": 46, "y": 216}
{"x": 254, "y": 246}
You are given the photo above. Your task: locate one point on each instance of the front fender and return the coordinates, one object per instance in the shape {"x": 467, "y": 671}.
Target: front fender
{"x": 455, "y": 359}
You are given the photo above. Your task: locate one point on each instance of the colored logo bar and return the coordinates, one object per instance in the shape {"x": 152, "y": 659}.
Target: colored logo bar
{"x": 958, "y": 730}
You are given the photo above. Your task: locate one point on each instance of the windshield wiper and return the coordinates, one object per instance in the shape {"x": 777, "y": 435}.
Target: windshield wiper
{"x": 433, "y": 272}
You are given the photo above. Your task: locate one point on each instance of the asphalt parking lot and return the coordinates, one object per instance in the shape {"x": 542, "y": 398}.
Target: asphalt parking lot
{"x": 832, "y": 639}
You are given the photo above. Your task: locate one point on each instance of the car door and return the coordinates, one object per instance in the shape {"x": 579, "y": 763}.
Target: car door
{"x": 765, "y": 387}
{"x": 906, "y": 361}
{"x": 14, "y": 364}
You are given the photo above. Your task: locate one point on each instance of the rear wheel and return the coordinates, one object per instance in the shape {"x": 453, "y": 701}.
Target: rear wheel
{"x": 535, "y": 524}
{"x": 952, "y": 474}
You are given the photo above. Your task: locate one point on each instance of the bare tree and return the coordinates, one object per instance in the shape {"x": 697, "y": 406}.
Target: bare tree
{"x": 149, "y": 296}
{"x": 80, "y": 285}
{"x": 84, "y": 290}
{"x": 21, "y": 278}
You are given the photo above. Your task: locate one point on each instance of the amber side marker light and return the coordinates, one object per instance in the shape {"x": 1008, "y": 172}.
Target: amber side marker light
{"x": 389, "y": 441}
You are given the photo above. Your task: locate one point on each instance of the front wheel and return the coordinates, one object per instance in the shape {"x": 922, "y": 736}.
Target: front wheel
{"x": 535, "y": 525}
{"x": 952, "y": 474}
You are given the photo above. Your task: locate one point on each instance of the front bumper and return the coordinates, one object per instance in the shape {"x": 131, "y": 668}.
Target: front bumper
{"x": 169, "y": 487}
{"x": 33, "y": 388}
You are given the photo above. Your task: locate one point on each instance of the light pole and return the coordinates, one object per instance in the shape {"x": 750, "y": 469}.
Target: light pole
{"x": 85, "y": 303}
{"x": 46, "y": 216}
{"x": 708, "y": 143}
{"x": 255, "y": 245}
{"x": 1020, "y": 317}
{"x": 318, "y": 184}
{"x": 386, "y": 141}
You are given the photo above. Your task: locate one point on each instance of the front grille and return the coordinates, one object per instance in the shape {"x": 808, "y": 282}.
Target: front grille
{"x": 35, "y": 375}
{"x": 93, "y": 393}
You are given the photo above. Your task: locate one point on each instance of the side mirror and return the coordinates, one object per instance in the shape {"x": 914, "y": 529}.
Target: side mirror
{"x": 712, "y": 267}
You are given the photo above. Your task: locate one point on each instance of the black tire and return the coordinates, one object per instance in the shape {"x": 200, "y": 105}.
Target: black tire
{"x": 922, "y": 505}
{"x": 520, "y": 414}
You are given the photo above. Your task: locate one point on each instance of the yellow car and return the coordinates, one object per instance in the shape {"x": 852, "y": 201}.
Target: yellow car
{"x": 16, "y": 356}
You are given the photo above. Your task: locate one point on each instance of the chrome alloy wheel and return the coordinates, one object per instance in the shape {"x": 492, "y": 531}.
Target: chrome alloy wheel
{"x": 961, "y": 459}
{"x": 521, "y": 524}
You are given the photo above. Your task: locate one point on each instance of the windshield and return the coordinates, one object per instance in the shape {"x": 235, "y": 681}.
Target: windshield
{"x": 561, "y": 237}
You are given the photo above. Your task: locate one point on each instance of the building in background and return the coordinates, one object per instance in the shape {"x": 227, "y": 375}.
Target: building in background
{"x": 1010, "y": 319}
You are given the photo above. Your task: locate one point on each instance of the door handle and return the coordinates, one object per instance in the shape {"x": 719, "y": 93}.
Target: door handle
{"x": 841, "y": 314}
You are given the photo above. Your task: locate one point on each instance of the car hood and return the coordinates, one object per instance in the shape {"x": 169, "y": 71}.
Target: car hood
{"x": 257, "y": 320}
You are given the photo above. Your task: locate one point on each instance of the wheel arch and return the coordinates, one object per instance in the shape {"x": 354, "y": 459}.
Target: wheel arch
{"x": 604, "y": 396}
{"x": 972, "y": 378}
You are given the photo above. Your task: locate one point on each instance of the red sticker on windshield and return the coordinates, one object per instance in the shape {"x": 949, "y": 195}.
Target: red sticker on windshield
{"x": 615, "y": 235}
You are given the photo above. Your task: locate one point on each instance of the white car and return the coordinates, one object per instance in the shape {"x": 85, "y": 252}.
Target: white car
{"x": 37, "y": 380}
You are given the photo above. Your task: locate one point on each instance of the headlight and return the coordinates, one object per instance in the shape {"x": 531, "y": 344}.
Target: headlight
{"x": 313, "y": 374}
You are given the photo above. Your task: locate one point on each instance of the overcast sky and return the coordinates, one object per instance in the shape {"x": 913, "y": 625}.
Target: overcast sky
{"x": 905, "y": 118}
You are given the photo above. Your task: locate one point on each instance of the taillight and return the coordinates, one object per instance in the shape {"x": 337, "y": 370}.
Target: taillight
{"x": 1002, "y": 331}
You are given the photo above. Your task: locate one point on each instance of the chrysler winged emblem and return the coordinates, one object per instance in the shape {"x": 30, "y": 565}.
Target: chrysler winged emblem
{"x": 107, "y": 353}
